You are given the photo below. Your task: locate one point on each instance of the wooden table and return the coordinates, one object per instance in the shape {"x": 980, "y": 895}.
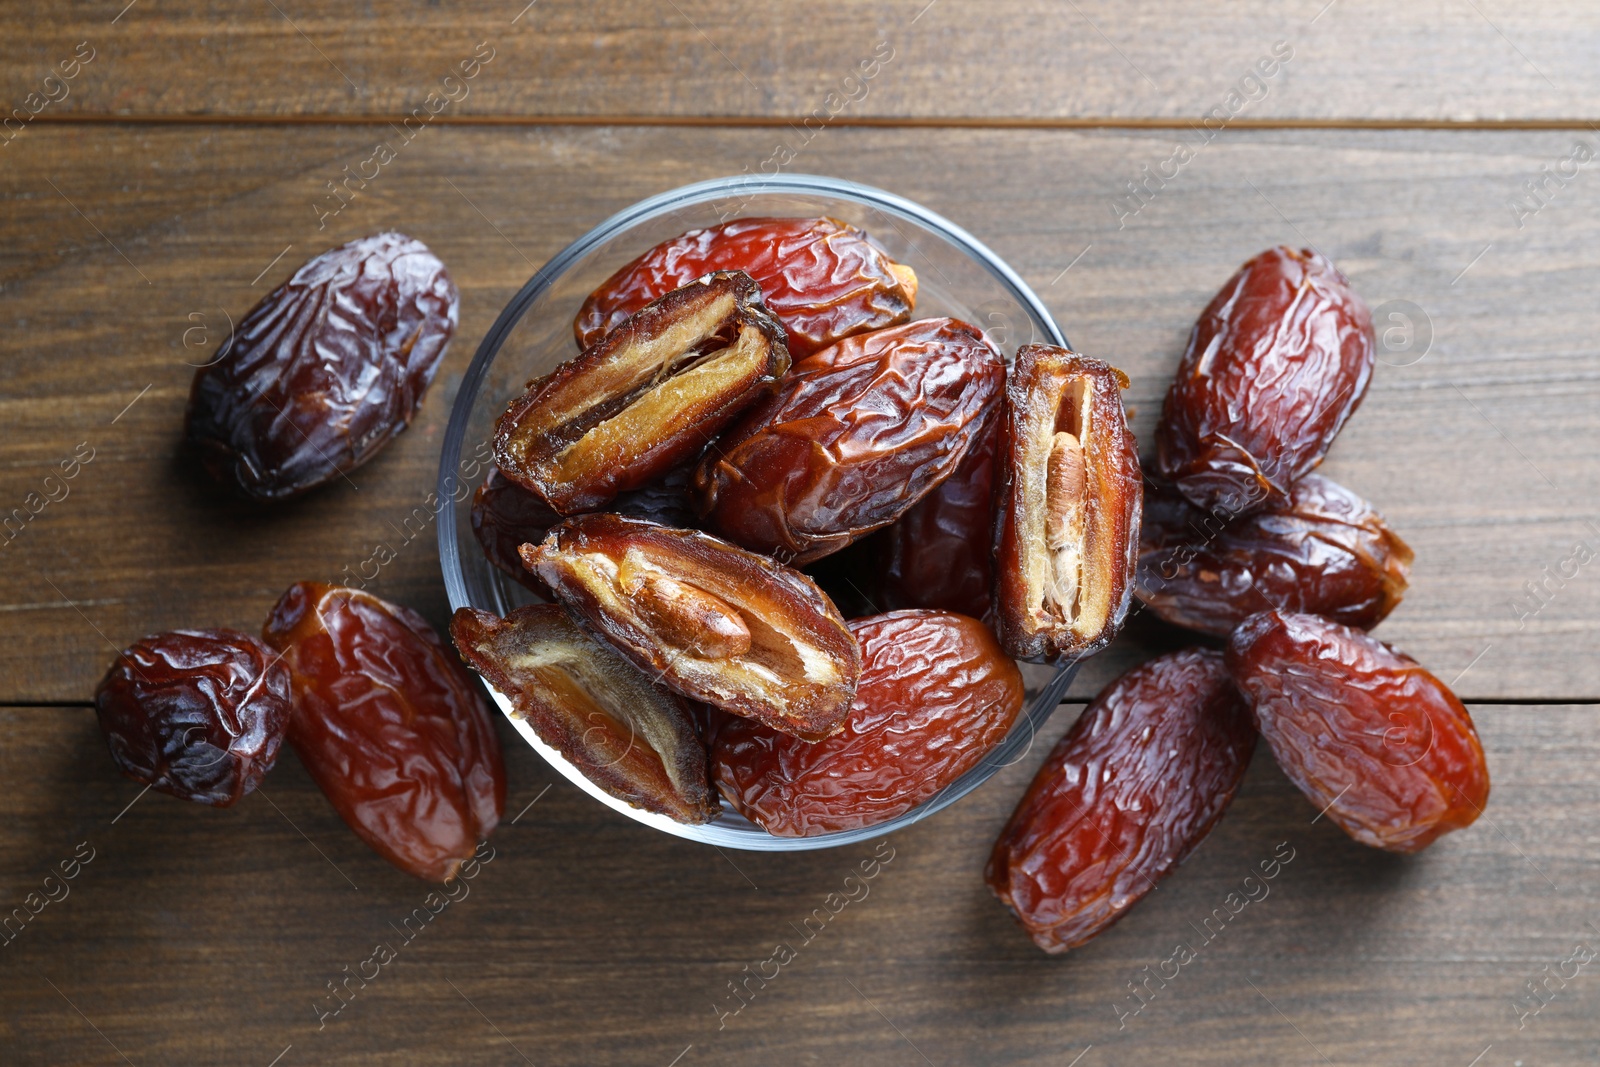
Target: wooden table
{"x": 179, "y": 171}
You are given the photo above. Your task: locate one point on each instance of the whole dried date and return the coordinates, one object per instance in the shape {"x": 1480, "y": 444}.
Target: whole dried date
{"x": 1378, "y": 743}
{"x": 936, "y": 694}
{"x": 1325, "y": 551}
{"x": 631, "y": 739}
{"x": 1068, "y": 502}
{"x": 646, "y": 397}
{"x": 1123, "y": 798}
{"x": 854, "y": 436}
{"x": 939, "y": 555}
{"x": 711, "y": 621}
{"x": 1275, "y": 365}
{"x": 326, "y": 369}
{"x": 198, "y": 714}
{"x": 823, "y": 278}
{"x": 390, "y": 727}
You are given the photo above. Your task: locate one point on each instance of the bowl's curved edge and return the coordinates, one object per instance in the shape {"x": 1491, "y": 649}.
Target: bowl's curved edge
{"x": 731, "y": 836}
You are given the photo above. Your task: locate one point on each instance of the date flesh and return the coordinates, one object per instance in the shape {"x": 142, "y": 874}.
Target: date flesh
{"x": 1369, "y": 736}
{"x": 939, "y": 555}
{"x": 1123, "y": 798}
{"x": 199, "y": 714}
{"x": 1068, "y": 502}
{"x": 1325, "y": 551}
{"x": 710, "y": 621}
{"x": 1275, "y": 366}
{"x": 852, "y": 439}
{"x": 824, "y": 279}
{"x": 390, "y": 726}
{"x": 644, "y": 398}
{"x": 326, "y": 369}
{"x": 601, "y": 713}
{"x": 936, "y": 695}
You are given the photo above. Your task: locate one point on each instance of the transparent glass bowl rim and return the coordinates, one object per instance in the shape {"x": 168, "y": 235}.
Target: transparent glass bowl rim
{"x": 1017, "y": 741}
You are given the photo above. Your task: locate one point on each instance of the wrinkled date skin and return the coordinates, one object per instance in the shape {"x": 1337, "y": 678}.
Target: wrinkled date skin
{"x": 1067, "y": 503}
{"x": 1381, "y": 745}
{"x": 1276, "y": 364}
{"x": 631, "y": 739}
{"x": 936, "y": 695}
{"x": 328, "y": 368}
{"x": 1324, "y": 552}
{"x": 939, "y": 555}
{"x": 824, "y": 279}
{"x": 646, "y": 397}
{"x": 854, "y": 436}
{"x": 390, "y": 727}
{"x": 710, "y": 621}
{"x": 506, "y": 516}
{"x": 1123, "y": 798}
{"x": 199, "y": 714}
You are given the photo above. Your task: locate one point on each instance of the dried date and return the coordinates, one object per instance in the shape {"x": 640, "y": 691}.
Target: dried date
{"x": 939, "y": 555}
{"x": 711, "y": 621}
{"x": 199, "y": 714}
{"x": 390, "y": 727}
{"x": 1123, "y": 798}
{"x": 601, "y": 713}
{"x": 1275, "y": 365}
{"x": 936, "y": 694}
{"x": 1068, "y": 502}
{"x": 644, "y": 398}
{"x": 1325, "y": 551}
{"x": 1370, "y": 737}
{"x": 326, "y": 370}
{"x": 824, "y": 279}
{"x": 854, "y": 436}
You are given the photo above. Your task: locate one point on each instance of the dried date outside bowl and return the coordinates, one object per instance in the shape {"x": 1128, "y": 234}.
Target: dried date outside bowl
{"x": 958, "y": 277}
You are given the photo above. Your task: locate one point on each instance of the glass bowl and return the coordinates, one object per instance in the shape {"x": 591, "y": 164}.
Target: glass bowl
{"x": 957, "y": 276}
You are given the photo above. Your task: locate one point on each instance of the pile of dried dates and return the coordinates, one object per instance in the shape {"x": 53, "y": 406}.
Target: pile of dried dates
{"x": 790, "y": 543}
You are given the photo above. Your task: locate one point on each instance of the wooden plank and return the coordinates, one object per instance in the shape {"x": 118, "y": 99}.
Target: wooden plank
{"x": 1481, "y": 453}
{"x": 201, "y": 936}
{"x": 1031, "y": 59}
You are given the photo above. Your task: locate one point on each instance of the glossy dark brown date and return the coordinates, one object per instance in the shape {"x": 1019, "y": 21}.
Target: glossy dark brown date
{"x": 1371, "y": 738}
{"x": 390, "y": 726}
{"x": 1132, "y": 789}
{"x": 823, "y": 278}
{"x": 1325, "y": 551}
{"x": 1067, "y": 503}
{"x": 328, "y": 368}
{"x": 199, "y": 714}
{"x": 1275, "y": 365}
{"x": 854, "y": 436}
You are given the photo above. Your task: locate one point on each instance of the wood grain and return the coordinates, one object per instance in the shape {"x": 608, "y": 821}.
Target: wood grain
{"x": 1481, "y": 453}
{"x": 1352, "y": 59}
{"x": 204, "y": 936}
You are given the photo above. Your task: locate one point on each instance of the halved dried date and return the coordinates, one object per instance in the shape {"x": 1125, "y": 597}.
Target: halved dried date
{"x": 1369, "y": 736}
{"x": 853, "y": 437}
{"x": 390, "y": 726}
{"x": 1068, "y": 500}
{"x": 940, "y": 554}
{"x": 1325, "y": 551}
{"x": 628, "y": 737}
{"x": 1275, "y": 366}
{"x": 823, "y": 278}
{"x": 506, "y": 516}
{"x": 936, "y": 694}
{"x": 328, "y": 368}
{"x": 710, "y": 621}
{"x": 199, "y": 714}
{"x": 1123, "y": 798}
{"x": 644, "y": 398}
